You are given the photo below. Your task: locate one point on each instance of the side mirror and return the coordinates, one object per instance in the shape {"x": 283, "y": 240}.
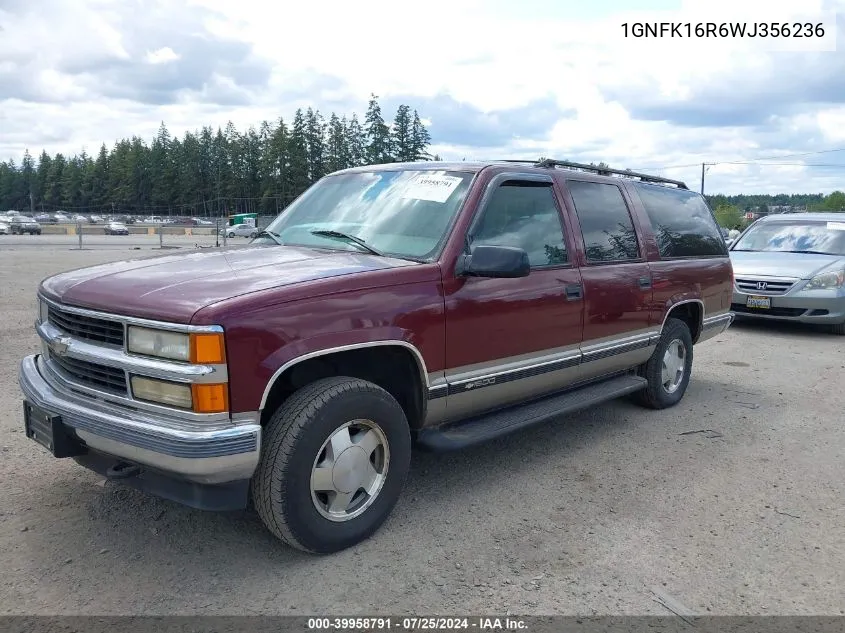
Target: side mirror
{"x": 496, "y": 261}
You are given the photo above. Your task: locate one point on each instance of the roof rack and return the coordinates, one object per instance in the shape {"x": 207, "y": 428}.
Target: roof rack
{"x": 601, "y": 171}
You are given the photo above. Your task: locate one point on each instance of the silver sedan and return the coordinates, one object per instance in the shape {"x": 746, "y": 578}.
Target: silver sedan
{"x": 791, "y": 267}
{"x": 239, "y": 230}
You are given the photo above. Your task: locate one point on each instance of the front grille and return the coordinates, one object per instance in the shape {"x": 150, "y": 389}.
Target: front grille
{"x": 773, "y": 311}
{"x": 102, "y": 377}
{"x": 770, "y": 287}
{"x": 86, "y": 327}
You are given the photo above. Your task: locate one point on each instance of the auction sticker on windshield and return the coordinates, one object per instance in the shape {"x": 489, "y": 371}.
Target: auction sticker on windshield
{"x": 431, "y": 187}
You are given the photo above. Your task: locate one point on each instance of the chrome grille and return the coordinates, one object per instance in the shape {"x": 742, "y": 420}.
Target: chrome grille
{"x": 102, "y": 377}
{"x": 86, "y": 327}
{"x": 763, "y": 286}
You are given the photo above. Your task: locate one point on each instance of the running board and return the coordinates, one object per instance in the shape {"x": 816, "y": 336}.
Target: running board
{"x": 460, "y": 435}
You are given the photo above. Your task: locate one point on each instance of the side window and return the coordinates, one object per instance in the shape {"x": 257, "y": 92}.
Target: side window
{"x": 524, "y": 214}
{"x": 682, "y": 222}
{"x": 605, "y": 221}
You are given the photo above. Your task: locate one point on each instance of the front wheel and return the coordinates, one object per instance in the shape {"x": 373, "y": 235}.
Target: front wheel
{"x": 334, "y": 460}
{"x": 669, "y": 368}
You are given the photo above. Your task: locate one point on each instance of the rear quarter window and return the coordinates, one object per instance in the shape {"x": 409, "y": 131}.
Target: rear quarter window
{"x": 682, "y": 222}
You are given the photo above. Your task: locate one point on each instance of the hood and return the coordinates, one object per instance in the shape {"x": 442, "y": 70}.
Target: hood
{"x": 772, "y": 264}
{"x": 174, "y": 287}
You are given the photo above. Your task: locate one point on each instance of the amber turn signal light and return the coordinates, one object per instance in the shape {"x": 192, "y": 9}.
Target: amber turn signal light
{"x": 208, "y": 348}
{"x": 210, "y": 398}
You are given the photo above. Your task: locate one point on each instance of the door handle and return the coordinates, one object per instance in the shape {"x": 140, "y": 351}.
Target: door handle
{"x": 573, "y": 292}
{"x": 645, "y": 282}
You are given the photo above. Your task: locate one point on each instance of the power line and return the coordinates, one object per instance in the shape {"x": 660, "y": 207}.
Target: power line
{"x": 750, "y": 161}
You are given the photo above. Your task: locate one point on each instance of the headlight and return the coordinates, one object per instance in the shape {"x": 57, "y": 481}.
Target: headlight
{"x": 201, "y": 398}
{"x": 162, "y": 392}
{"x": 159, "y": 343}
{"x": 833, "y": 279}
{"x": 199, "y": 347}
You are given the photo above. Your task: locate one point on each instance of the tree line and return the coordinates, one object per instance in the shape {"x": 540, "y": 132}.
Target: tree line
{"x": 210, "y": 172}
{"x": 730, "y": 210}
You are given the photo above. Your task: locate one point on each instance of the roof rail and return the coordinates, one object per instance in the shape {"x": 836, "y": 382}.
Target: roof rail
{"x": 606, "y": 171}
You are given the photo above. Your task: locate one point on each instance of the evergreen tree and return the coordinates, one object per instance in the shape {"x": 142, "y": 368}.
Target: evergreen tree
{"x": 377, "y": 134}
{"x": 420, "y": 139}
{"x": 298, "y": 178}
{"x": 403, "y": 139}
{"x": 356, "y": 142}
{"x": 314, "y": 141}
{"x": 336, "y": 158}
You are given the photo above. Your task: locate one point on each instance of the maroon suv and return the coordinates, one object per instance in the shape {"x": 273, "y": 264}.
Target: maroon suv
{"x": 432, "y": 303}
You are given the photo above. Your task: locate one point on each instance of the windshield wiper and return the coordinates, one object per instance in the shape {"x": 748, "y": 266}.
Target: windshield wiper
{"x": 274, "y": 236}
{"x": 811, "y": 252}
{"x": 351, "y": 238}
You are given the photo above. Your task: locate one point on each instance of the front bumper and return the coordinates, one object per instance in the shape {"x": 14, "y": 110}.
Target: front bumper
{"x": 819, "y": 307}
{"x": 218, "y": 454}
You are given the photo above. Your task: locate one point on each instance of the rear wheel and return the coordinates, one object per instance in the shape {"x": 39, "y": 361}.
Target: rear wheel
{"x": 838, "y": 329}
{"x": 334, "y": 461}
{"x": 668, "y": 370}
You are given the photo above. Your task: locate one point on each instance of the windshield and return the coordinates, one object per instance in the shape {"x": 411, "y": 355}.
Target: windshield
{"x": 402, "y": 213}
{"x": 795, "y": 237}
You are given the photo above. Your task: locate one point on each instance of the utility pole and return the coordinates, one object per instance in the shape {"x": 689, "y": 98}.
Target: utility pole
{"x": 31, "y": 204}
{"x": 702, "y": 179}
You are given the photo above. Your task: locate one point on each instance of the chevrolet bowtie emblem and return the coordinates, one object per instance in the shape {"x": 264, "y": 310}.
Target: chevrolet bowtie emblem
{"x": 59, "y": 345}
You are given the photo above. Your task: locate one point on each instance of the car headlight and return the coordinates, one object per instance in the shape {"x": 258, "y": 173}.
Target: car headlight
{"x": 198, "y": 347}
{"x": 201, "y": 398}
{"x": 159, "y": 343}
{"x": 832, "y": 279}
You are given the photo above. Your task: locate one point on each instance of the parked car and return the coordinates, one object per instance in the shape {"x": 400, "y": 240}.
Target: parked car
{"x": 4, "y": 228}
{"x": 239, "y": 230}
{"x": 45, "y": 218}
{"x": 21, "y": 224}
{"x": 61, "y": 217}
{"x": 791, "y": 267}
{"x": 115, "y": 228}
{"x": 444, "y": 304}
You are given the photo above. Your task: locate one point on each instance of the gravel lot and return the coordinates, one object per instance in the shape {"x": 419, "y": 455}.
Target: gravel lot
{"x": 730, "y": 503}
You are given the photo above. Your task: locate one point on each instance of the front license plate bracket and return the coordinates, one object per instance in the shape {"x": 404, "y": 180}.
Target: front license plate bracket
{"x": 48, "y": 430}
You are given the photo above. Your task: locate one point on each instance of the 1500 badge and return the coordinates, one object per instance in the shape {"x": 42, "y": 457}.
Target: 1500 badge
{"x": 484, "y": 382}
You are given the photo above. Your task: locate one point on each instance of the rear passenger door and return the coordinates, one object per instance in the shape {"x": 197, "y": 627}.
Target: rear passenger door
{"x": 616, "y": 278}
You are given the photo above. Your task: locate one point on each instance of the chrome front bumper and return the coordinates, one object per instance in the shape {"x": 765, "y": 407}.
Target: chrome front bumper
{"x": 211, "y": 453}
{"x": 820, "y": 307}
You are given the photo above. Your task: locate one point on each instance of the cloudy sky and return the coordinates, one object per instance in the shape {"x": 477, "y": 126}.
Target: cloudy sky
{"x": 493, "y": 78}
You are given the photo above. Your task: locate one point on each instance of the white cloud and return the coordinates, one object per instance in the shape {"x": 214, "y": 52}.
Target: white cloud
{"x": 162, "y": 56}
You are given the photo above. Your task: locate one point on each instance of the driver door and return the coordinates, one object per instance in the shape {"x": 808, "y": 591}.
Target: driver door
{"x": 508, "y": 340}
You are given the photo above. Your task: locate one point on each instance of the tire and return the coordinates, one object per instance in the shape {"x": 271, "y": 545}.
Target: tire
{"x": 657, "y": 395}
{"x": 230, "y": 235}
{"x": 838, "y": 329}
{"x": 293, "y": 442}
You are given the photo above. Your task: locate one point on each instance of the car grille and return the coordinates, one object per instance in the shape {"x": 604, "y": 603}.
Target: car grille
{"x": 86, "y": 327}
{"x": 771, "y": 287}
{"x": 102, "y": 377}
